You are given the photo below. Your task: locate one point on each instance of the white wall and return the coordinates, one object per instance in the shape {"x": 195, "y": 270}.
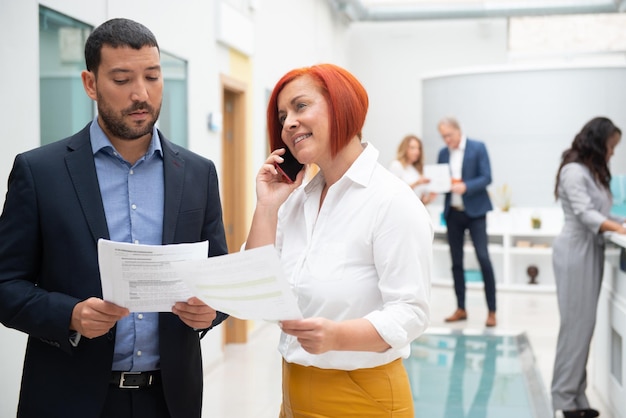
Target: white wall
{"x": 19, "y": 81}
{"x": 391, "y": 59}
{"x": 527, "y": 116}
{"x": 19, "y": 117}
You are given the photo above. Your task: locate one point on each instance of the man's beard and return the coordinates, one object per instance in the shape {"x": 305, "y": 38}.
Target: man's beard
{"x": 116, "y": 126}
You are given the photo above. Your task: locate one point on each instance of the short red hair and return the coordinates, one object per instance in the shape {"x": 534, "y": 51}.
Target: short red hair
{"x": 347, "y": 104}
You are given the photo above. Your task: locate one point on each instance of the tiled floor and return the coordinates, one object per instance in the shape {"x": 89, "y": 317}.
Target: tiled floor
{"x": 247, "y": 383}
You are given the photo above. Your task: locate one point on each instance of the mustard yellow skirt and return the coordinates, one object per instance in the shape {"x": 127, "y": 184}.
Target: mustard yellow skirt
{"x": 311, "y": 392}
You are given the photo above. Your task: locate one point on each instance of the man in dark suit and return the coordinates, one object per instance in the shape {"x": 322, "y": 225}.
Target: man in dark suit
{"x": 119, "y": 178}
{"x": 466, "y": 207}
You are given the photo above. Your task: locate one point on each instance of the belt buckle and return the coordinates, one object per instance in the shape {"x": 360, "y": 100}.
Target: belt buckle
{"x": 123, "y": 378}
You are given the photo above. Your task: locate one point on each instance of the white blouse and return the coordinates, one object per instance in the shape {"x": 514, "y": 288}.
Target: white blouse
{"x": 409, "y": 175}
{"x": 367, "y": 253}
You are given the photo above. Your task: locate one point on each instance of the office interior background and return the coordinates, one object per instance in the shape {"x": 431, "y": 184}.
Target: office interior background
{"x": 521, "y": 75}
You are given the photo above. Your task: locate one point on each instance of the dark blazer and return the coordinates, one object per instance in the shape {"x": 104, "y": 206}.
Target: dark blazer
{"x": 53, "y": 217}
{"x": 476, "y": 174}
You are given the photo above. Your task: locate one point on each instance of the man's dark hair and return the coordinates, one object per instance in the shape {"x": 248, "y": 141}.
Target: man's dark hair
{"x": 116, "y": 33}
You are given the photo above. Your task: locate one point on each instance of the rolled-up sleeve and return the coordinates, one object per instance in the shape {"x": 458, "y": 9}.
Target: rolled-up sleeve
{"x": 403, "y": 259}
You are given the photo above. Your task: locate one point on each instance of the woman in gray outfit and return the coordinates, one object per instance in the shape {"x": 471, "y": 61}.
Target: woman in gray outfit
{"x": 582, "y": 186}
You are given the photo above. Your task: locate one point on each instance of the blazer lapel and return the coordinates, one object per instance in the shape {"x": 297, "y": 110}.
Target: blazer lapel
{"x": 82, "y": 169}
{"x": 445, "y": 155}
{"x": 468, "y": 155}
{"x": 174, "y": 173}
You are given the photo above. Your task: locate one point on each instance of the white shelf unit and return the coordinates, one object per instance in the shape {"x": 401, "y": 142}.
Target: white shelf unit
{"x": 513, "y": 246}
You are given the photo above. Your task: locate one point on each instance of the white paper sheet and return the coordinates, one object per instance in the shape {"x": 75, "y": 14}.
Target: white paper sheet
{"x": 618, "y": 239}
{"x": 439, "y": 175}
{"x": 152, "y": 278}
{"x": 141, "y": 277}
{"x": 247, "y": 285}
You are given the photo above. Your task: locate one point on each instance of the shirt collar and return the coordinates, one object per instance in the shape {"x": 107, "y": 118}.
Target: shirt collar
{"x": 463, "y": 143}
{"x": 360, "y": 172}
{"x": 100, "y": 141}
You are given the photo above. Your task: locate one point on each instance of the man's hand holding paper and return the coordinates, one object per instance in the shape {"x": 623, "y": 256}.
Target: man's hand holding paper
{"x": 195, "y": 313}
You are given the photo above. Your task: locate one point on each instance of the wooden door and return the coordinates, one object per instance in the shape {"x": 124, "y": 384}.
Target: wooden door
{"x": 233, "y": 180}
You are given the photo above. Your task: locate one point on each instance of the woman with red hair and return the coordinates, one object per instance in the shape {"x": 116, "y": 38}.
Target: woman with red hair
{"x": 355, "y": 245}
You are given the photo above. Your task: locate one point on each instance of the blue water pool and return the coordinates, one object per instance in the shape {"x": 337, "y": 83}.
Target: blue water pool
{"x": 465, "y": 374}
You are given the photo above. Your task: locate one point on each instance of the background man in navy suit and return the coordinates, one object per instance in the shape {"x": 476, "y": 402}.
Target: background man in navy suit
{"x": 466, "y": 208}
{"x": 121, "y": 179}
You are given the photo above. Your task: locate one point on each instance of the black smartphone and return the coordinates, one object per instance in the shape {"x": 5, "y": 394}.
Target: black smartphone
{"x": 290, "y": 167}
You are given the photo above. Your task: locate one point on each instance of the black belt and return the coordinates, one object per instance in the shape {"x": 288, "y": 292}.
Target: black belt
{"x": 135, "y": 380}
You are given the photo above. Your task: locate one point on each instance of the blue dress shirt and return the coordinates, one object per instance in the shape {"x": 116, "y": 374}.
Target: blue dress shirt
{"x": 133, "y": 198}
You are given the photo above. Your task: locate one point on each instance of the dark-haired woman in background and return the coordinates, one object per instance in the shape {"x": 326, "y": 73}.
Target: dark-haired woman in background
{"x": 355, "y": 244}
{"x": 582, "y": 186}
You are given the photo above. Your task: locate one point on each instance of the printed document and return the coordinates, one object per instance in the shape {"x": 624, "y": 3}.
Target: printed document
{"x": 247, "y": 285}
{"x": 141, "y": 277}
{"x": 152, "y": 278}
{"x": 439, "y": 175}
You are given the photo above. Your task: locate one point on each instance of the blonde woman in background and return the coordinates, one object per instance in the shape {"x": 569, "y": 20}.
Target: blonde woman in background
{"x": 409, "y": 166}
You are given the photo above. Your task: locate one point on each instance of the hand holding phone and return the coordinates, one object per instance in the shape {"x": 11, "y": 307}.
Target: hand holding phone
{"x": 290, "y": 167}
